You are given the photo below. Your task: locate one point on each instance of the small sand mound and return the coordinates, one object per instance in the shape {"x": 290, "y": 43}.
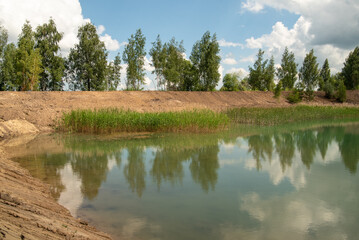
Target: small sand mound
{"x": 13, "y": 128}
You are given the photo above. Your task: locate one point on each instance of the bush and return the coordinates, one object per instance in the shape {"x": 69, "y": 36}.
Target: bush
{"x": 278, "y": 90}
{"x": 342, "y": 92}
{"x": 329, "y": 90}
{"x": 295, "y": 97}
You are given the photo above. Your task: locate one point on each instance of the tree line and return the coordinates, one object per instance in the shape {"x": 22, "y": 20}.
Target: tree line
{"x": 35, "y": 63}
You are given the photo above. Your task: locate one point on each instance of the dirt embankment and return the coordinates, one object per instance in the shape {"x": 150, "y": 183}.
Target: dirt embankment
{"x": 27, "y": 211}
{"x": 43, "y": 108}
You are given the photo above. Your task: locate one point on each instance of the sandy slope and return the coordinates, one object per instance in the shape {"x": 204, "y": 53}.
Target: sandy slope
{"x": 43, "y": 108}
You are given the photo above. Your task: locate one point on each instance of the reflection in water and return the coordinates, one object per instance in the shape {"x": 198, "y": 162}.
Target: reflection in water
{"x": 176, "y": 165}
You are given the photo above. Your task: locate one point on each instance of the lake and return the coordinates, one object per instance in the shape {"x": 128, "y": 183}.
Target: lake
{"x": 287, "y": 182}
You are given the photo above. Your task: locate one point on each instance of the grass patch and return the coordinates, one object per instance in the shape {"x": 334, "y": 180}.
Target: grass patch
{"x": 275, "y": 116}
{"x": 115, "y": 120}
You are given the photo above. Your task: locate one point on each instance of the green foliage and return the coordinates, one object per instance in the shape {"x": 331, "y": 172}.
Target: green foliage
{"x": 206, "y": 61}
{"x": 231, "y": 82}
{"x": 342, "y": 92}
{"x": 309, "y": 73}
{"x": 8, "y": 70}
{"x": 278, "y": 90}
{"x": 295, "y": 96}
{"x": 287, "y": 73}
{"x": 134, "y": 57}
{"x": 261, "y": 76}
{"x": 174, "y": 64}
{"x": 350, "y": 72}
{"x": 28, "y": 60}
{"x": 269, "y": 75}
{"x": 87, "y": 63}
{"x": 3, "y": 40}
{"x": 324, "y": 75}
{"x": 158, "y": 61}
{"x": 48, "y": 39}
{"x": 329, "y": 89}
{"x": 113, "y": 76}
{"x": 273, "y": 116}
{"x": 114, "y": 120}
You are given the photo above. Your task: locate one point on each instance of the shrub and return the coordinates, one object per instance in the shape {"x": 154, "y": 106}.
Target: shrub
{"x": 329, "y": 90}
{"x": 295, "y": 97}
{"x": 342, "y": 92}
{"x": 278, "y": 90}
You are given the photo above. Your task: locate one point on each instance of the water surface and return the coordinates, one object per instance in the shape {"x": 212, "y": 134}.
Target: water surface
{"x": 247, "y": 183}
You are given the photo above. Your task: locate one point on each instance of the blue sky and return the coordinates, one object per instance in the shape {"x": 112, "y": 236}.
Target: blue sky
{"x": 330, "y": 27}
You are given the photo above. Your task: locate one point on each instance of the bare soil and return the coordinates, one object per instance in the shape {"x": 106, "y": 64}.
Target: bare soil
{"x": 27, "y": 211}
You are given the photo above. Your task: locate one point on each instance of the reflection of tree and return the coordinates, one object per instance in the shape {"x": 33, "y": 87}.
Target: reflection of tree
{"x": 324, "y": 137}
{"x": 307, "y": 146}
{"x": 167, "y": 165}
{"x": 261, "y": 147}
{"x": 285, "y": 147}
{"x": 204, "y": 166}
{"x": 46, "y": 168}
{"x": 135, "y": 171}
{"x": 92, "y": 170}
{"x": 349, "y": 149}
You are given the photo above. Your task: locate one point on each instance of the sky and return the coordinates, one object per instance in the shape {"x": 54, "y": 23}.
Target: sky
{"x": 330, "y": 27}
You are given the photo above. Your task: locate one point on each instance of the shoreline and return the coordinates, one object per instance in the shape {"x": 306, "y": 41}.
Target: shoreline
{"x": 26, "y": 207}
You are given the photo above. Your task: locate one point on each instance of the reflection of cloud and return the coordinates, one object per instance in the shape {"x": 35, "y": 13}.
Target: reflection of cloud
{"x": 71, "y": 198}
{"x": 290, "y": 217}
{"x": 111, "y": 162}
{"x": 136, "y": 225}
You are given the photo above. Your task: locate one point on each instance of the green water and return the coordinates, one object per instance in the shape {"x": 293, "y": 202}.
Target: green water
{"x": 247, "y": 183}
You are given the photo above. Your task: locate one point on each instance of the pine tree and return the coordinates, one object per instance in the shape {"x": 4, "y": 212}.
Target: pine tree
{"x": 8, "y": 69}
{"x": 324, "y": 76}
{"x": 134, "y": 57}
{"x": 350, "y": 71}
{"x": 28, "y": 60}
{"x": 158, "y": 55}
{"x": 287, "y": 73}
{"x": 206, "y": 61}
{"x": 309, "y": 73}
{"x": 87, "y": 63}
{"x": 269, "y": 75}
{"x": 48, "y": 39}
{"x": 113, "y": 77}
{"x": 257, "y": 74}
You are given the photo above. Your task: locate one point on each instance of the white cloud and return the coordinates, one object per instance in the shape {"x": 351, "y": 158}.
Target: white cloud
{"x": 252, "y": 6}
{"x": 230, "y": 61}
{"x": 148, "y": 66}
{"x": 67, "y": 15}
{"x": 332, "y": 22}
{"x": 101, "y": 29}
{"x": 224, "y": 43}
{"x": 110, "y": 44}
{"x": 249, "y": 59}
{"x": 243, "y": 73}
{"x": 299, "y": 39}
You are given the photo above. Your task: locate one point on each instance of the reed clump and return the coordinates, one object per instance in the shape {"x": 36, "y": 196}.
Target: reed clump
{"x": 117, "y": 120}
{"x": 275, "y": 116}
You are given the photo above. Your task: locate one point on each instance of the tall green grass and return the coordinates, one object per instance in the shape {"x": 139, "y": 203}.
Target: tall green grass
{"x": 275, "y": 116}
{"x": 115, "y": 120}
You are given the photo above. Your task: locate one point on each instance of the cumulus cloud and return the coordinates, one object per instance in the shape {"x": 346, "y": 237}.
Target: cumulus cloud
{"x": 229, "y": 61}
{"x": 299, "y": 40}
{"x": 224, "y": 43}
{"x": 67, "y": 15}
{"x": 110, "y": 44}
{"x": 332, "y": 22}
{"x": 252, "y": 6}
